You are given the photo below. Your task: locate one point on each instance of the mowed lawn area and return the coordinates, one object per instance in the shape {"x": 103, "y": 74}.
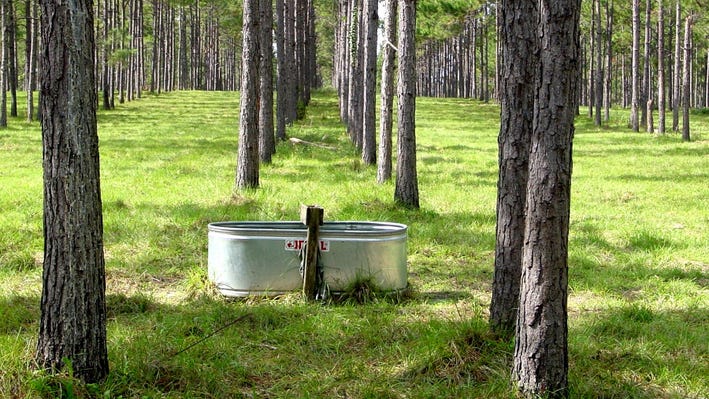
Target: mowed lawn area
{"x": 638, "y": 261}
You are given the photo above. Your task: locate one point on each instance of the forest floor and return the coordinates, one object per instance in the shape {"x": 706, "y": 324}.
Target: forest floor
{"x": 638, "y": 261}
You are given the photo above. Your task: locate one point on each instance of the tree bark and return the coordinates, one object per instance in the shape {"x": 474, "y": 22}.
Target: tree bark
{"x": 30, "y": 50}
{"x": 686, "y": 77}
{"x": 387, "y": 96}
{"x": 369, "y": 121}
{"x": 73, "y": 312}
{"x": 541, "y": 348}
{"x": 11, "y": 61}
{"x": 267, "y": 143}
{"x": 599, "y": 63}
{"x": 407, "y": 192}
{"x": 647, "y": 83}
{"x": 634, "y": 101}
{"x": 676, "y": 74}
{"x": 282, "y": 85}
{"x": 518, "y": 43}
{"x": 247, "y": 170}
{"x": 660, "y": 68}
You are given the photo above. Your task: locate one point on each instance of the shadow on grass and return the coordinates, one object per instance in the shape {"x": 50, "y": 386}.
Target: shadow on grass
{"x": 628, "y": 349}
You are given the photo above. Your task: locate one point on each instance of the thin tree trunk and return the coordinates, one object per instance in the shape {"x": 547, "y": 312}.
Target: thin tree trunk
{"x": 676, "y": 71}
{"x": 687, "y": 59}
{"x": 247, "y": 171}
{"x": 519, "y": 66}
{"x": 3, "y": 64}
{"x": 647, "y": 82}
{"x": 29, "y": 59}
{"x": 599, "y": 63}
{"x": 387, "y": 107}
{"x": 634, "y": 101}
{"x": 369, "y": 121}
{"x": 11, "y": 28}
{"x": 608, "y": 81}
{"x": 660, "y": 68}
{"x": 267, "y": 143}
{"x": 406, "y": 192}
{"x": 282, "y": 86}
{"x": 73, "y": 311}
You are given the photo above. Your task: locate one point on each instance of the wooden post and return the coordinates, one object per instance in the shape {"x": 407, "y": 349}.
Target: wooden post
{"x": 312, "y": 217}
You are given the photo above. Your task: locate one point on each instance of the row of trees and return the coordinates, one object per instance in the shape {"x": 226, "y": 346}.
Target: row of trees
{"x": 650, "y": 56}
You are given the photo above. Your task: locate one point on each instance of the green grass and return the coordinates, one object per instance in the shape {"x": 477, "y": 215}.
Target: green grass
{"x": 639, "y": 260}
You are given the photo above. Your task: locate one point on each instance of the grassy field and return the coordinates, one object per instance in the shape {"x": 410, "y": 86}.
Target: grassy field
{"x": 639, "y": 261}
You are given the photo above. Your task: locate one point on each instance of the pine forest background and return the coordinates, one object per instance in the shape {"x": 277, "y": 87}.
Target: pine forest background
{"x": 156, "y": 46}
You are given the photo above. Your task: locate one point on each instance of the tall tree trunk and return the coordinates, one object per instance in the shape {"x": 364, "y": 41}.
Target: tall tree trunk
{"x": 73, "y": 311}
{"x": 407, "y": 192}
{"x": 676, "y": 74}
{"x": 267, "y": 140}
{"x": 660, "y": 68}
{"x": 634, "y": 101}
{"x": 3, "y": 64}
{"x": 11, "y": 29}
{"x": 599, "y": 63}
{"x": 29, "y": 59}
{"x": 608, "y": 81}
{"x": 387, "y": 96}
{"x": 282, "y": 86}
{"x": 369, "y": 121}
{"x": 686, "y": 75}
{"x": 291, "y": 62}
{"x": 647, "y": 83}
{"x": 519, "y": 66}
{"x": 541, "y": 348}
{"x": 247, "y": 170}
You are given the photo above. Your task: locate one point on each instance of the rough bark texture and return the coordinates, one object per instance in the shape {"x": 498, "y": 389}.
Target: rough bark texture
{"x": 541, "y": 350}
{"x": 634, "y": 101}
{"x": 686, "y": 67}
{"x": 73, "y": 320}
{"x": 676, "y": 70}
{"x": 660, "y": 68}
{"x": 267, "y": 140}
{"x": 282, "y": 86}
{"x": 407, "y": 191}
{"x": 518, "y": 44}
{"x": 3, "y": 65}
{"x": 369, "y": 122}
{"x": 247, "y": 169}
{"x": 387, "y": 106}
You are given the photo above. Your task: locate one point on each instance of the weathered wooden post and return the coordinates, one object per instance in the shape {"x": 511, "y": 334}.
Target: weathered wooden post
{"x": 312, "y": 217}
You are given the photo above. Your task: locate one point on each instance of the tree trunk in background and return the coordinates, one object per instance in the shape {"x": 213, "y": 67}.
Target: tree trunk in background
{"x": 387, "y": 96}
{"x": 356, "y": 84}
{"x": 519, "y": 66}
{"x": 184, "y": 69}
{"x": 676, "y": 74}
{"x": 608, "y": 81}
{"x": 267, "y": 143}
{"x": 282, "y": 85}
{"x": 3, "y": 64}
{"x": 541, "y": 348}
{"x": 407, "y": 192}
{"x": 686, "y": 77}
{"x": 634, "y": 101}
{"x": 291, "y": 67}
{"x": 11, "y": 29}
{"x": 647, "y": 83}
{"x": 660, "y": 68}
{"x": 30, "y": 50}
{"x": 247, "y": 170}
{"x": 73, "y": 311}
{"x": 369, "y": 121}
{"x": 599, "y": 63}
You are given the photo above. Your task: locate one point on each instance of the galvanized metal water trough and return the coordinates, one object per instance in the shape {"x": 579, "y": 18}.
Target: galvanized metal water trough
{"x": 262, "y": 258}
